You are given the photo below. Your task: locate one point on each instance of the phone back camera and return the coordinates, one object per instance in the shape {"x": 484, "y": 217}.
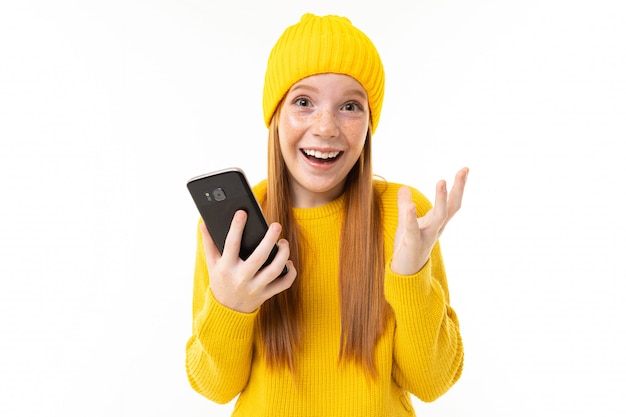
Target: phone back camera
{"x": 219, "y": 194}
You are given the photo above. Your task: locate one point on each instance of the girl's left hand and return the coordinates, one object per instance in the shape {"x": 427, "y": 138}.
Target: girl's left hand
{"x": 416, "y": 236}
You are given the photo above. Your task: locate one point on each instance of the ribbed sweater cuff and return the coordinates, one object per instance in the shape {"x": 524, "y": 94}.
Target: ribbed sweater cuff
{"x": 219, "y": 322}
{"x": 412, "y": 290}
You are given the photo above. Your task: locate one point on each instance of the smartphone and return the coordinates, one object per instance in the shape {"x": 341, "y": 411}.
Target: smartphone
{"x": 218, "y": 195}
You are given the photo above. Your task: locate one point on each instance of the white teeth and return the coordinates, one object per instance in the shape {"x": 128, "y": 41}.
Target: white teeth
{"x": 321, "y": 155}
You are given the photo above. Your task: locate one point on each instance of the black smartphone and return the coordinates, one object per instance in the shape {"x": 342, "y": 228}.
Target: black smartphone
{"x": 218, "y": 195}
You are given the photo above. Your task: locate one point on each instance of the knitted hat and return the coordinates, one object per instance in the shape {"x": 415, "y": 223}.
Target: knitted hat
{"x": 323, "y": 44}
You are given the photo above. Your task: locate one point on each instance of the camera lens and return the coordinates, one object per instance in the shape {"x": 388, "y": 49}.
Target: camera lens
{"x": 219, "y": 195}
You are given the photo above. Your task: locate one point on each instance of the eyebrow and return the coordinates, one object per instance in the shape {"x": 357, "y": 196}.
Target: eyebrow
{"x": 355, "y": 91}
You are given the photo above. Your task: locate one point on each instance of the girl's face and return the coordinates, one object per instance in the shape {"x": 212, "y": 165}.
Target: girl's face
{"x": 322, "y": 129}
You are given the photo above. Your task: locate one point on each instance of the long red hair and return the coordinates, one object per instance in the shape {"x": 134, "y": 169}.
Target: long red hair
{"x": 362, "y": 323}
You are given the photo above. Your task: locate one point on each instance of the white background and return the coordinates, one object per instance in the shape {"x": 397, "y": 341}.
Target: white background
{"x": 107, "y": 108}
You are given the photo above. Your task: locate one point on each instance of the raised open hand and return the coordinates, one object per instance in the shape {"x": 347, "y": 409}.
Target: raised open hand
{"x": 416, "y": 236}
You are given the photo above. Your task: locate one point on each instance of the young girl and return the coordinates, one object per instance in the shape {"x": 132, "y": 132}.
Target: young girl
{"x": 363, "y": 317}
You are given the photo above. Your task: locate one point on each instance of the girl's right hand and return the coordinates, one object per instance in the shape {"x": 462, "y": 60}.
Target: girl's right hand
{"x": 240, "y": 285}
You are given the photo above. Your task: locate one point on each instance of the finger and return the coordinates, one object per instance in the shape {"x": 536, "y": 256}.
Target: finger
{"x": 404, "y": 205}
{"x": 232, "y": 243}
{"x": 440, "y": 210}
{"x": 258, "y": 257}
{"x": 406, "y": 210}
{"x": 275, "y": 268}
{"x": 408, "y": 225}
{"x": 285, "y": 282}
{"x": 456, "y": 194}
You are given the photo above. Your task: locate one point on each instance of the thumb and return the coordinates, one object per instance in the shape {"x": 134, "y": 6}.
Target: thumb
{"x": 406, "y": 209}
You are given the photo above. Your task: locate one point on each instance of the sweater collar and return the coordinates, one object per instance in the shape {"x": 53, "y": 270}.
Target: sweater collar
{"x": 327, "y": 210}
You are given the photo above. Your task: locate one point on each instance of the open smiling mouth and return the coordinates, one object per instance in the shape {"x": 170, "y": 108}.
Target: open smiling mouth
{"x": 321, "y": 157}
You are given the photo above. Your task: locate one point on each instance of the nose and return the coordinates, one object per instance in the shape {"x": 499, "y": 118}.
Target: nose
{"x": 326, "y": 124}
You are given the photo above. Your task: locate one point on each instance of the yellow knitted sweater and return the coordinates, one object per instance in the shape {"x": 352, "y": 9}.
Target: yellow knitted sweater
{"x": 420, "y": 351}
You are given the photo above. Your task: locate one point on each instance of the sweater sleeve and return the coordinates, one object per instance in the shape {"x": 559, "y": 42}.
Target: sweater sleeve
{"x": 219, "y": 351}
{"x": 428, "y": 350}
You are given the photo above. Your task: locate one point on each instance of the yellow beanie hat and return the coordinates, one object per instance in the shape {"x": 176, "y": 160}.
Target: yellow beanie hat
{"x": 318, "y": 45}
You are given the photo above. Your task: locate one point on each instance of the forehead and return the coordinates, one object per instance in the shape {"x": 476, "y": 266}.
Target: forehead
{"x": 340, "y": 84}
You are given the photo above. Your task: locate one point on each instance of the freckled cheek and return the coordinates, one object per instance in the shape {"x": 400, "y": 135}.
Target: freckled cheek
{"x": 289, "y": 128}
{"x": 355, "y": 129}
{"x": 294, "y": 118}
